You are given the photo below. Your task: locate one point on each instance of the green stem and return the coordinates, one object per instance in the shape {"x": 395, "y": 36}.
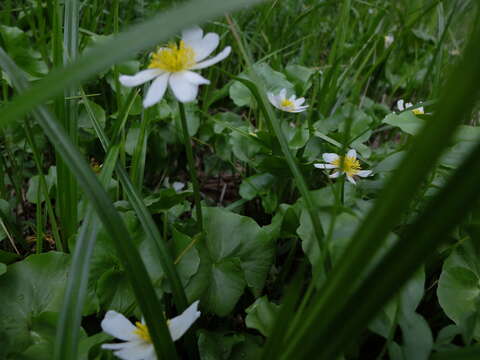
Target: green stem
{"x": 191, "y": 166}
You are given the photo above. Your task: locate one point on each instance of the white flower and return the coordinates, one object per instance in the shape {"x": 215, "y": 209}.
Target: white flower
{"x": 283, "y": 103}
{"x": 178, "y": 186}
{"x": 388, "y": 40}
{"x": 350, "y": 166}
{"x": 137, "y": 344}
{"x": 172, "y": 66}
{"x": 401, "y": 107}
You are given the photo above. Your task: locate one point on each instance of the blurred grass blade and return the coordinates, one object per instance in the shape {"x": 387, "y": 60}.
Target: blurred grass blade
{"x": 393, "y": 200}
{"x": 113, "y": 223}
{"x": 468, "y": 353}
{"x": 67, "y": 187}
{"x": 121, "y": 47}
{"x": 153, "y": 235}
{"x": 433, "y": 226}
{"x": 68, "y": 328}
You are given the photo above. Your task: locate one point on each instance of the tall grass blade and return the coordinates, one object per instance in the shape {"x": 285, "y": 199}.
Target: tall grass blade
{"x": 393, "y": 201}
{"x": 121, "y": 47}
{"x": 113, "y": 223}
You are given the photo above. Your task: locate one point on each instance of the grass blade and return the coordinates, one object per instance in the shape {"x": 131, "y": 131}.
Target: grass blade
{"x": 121, "y": 47}
{"x": 394, "y": 199}
{"x": 135, "y": 269}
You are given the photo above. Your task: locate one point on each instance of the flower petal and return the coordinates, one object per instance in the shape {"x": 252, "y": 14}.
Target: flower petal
{"x": 192, "y": 35}
{"x": 139, "y": 78}
{"x": 351, "y": 179}
{"x": 299, "y": 109}
{"x": 182, "y": 88}
{"x": 195, "y": 78}
{"x": 325, "y": 166}
{"x": 135, "y": 351}
{"x": 330, "y": 157}
{"x": 272, "y": 98}
{"x": 217, "y": 58}
{"x": 352, "y": 153}
{"x": 299, "y": 101}
{"x": 156, "y": 90}
{"x": 400, "y": 105}
{"x": 115, "y": 346}
{"x": 364, "y": 173}
{"x": 119, "y": 326}
{"x": 283, "y": 94}
{"x": 181, "y": 323}
{"x": 334, "y": 175}
{"x": 205, "y": 46}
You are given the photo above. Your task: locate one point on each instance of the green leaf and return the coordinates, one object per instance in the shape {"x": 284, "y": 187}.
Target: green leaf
{"x": 458, "y": 288}
{"x": 406, "y": 121}
{"x": 29, "y": 288}
{"x": 3, "y": 268}
{"x": 237, "y": 252}
{"x": 261, "y": 315}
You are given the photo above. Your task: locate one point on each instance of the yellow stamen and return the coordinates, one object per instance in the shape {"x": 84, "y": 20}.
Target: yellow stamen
{"x": 287, "y": 103}
{"x": 349, "y": 166}
{"x": 174, "y": 58}
{"x": 142, "y": 332}
{"x": 417, "y": 111}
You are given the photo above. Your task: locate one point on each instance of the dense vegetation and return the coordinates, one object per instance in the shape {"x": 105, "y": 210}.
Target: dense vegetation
{"x": 344, "y": 227}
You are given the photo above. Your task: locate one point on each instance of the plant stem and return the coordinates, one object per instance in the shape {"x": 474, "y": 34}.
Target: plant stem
{"x": 191, "y": 166}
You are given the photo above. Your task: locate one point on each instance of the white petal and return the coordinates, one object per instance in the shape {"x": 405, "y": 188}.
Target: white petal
{"x": 299, "y": 109}
{"x": 325, "y": 166}
{"x": 205, "y": 46}
{"x": 140, "y": 77}
{"x": 364, "y": 173}
{"x": 352, "y": 153}
{"x": 217, "y": 58}
{"x": 351, "y": 179}
{"x": 334, "y": 175}
{"x": 183, "y": 89}
{"x": 156, "y": 90}
{"x": 330, "y": 157}
{"x": 299, "y": 101}
{"x": 192, "y": 35}
{"x": 115, "y": 346}
{"x": 181, "y": 323}
{"x": 195, "y": 78}
{"x": 283, "y": 94}
{"x": 400, "y": 105}
{"x": 135, "y": 351}
{"x": 119, "y": 326}
{"x": 408, "y": 105}
{"x": 272, "y": 98}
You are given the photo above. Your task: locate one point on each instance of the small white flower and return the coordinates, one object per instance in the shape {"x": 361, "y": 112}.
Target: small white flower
{"x": 350, "y": 166}
{"x": 172, "y": 66}
{"x": 388, "y": 40}
{"x": 178, "y": 186}
{"x": 417, "y": 111}
{"x": 137, "y": 343}
{"x": 283, "y": 103}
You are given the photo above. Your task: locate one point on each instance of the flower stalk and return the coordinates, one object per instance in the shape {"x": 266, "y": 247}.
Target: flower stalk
{"x": 191, "y": 166}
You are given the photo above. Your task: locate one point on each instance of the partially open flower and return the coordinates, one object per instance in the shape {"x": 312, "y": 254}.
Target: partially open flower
{"x": 388, "y": 40}
{"x": 137, "y": 343}
{"x": 173, "y": 65}
{"x": 402, "y": 107}
{"x": 283, "y": 103}
{"x": 349, "y": 165}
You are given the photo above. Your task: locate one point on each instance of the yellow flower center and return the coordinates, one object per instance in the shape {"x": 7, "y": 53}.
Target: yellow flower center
{"x": 417, "y": 111}
{"x": 349, "y": 166}
{"x": 173, "y": 58}
{"x": 142, "y": 332}
{"x": 287, "y": 103}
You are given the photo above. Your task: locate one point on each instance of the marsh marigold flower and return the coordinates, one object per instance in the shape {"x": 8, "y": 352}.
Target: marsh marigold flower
{"x": 173, "y": 65}
{"x": 283, "y": 103}
{"x": 349, "y": 165}
{"x": 137, "y": 343}
{"x": 402, "y": 107}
